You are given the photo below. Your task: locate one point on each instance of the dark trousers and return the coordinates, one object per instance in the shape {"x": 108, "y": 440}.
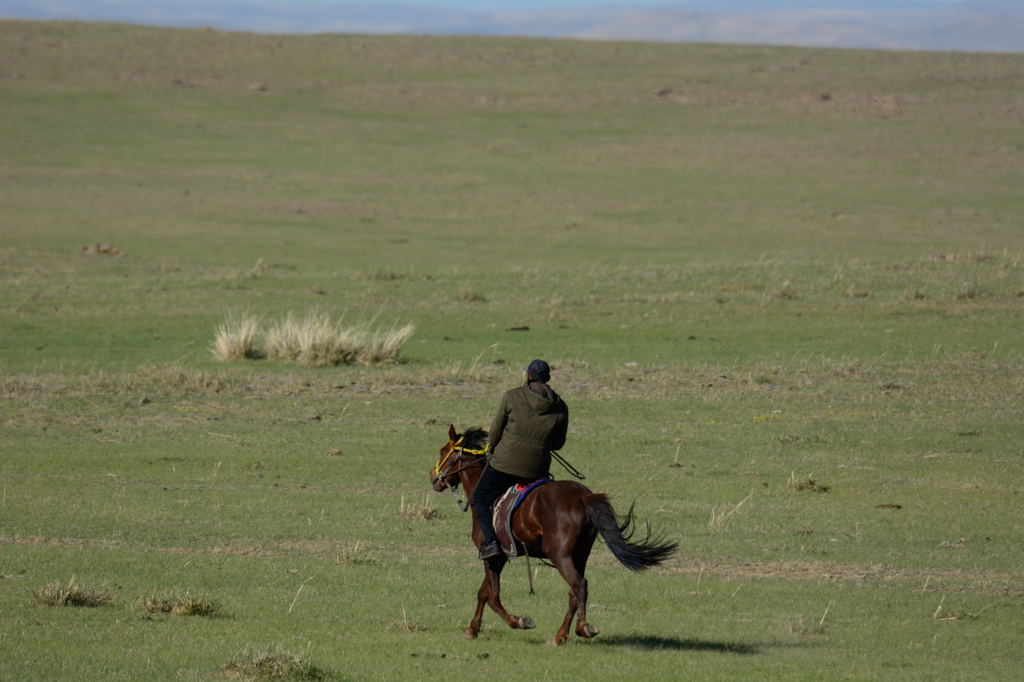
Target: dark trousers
{"x": 491, "y": 486}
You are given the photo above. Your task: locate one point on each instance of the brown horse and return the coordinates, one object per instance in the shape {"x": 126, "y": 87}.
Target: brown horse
{"x": 558, "y": 521}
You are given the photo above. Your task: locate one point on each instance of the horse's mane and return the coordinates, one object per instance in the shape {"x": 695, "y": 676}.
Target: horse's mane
{"x": 475, "y": 438}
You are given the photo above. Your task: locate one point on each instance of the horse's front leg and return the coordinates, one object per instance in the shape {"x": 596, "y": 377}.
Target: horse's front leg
{"x": 490, "y": 594}
{"x": 481, "y": 598}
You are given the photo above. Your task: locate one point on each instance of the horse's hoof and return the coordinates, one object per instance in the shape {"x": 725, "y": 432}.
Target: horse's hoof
{"x": 470, "y": 633}
{"x": 588, "y": 631}
{"x": 556, "y": 641}
{"x": 526, "y": 623}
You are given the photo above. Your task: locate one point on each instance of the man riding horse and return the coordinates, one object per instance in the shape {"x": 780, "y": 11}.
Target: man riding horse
{"x": 532, "y": 420}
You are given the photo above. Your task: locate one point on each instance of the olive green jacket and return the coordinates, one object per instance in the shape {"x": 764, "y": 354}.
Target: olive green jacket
{"x": 532, "y": 421}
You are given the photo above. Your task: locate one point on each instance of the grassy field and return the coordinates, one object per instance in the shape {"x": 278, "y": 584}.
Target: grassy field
{"x": 782, "y": 291}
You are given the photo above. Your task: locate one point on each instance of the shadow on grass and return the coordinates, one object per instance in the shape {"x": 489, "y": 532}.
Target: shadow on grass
{"x": 654, "y": 643}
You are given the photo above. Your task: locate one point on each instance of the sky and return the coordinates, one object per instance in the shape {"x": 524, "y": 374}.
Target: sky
{"x": 963, "y": 25}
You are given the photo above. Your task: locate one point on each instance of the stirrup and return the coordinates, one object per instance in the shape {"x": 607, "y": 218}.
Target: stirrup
{"x": 489, "y": 550}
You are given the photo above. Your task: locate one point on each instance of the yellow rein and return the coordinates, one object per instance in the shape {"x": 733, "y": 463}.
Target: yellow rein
{"x": 456, "y": 446}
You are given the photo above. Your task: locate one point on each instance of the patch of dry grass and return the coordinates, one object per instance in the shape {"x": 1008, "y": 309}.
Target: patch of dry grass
{"x": 71, "y": 593}
{"x": 384, "y": 346}
{"x": 271, "y": 664}
{"x": 721, "y": 516}
{"x": 470, "y": 296}
{"x": 407, "y": 626}
{"x": 318, "y": 341}
{"x": 310, "y": 341}
{"x": 357, "y": 553}
{"x": 315, "y": 341}
{"x": 943, "y": 614}
{"x": 806, "y": 484}
{"x": 256, "y": 271}
{"x": 236, "y": 338}
{"x": 799, "y": 627}
{"x": 425, "y": 511}
{"x": 179, "y": 604}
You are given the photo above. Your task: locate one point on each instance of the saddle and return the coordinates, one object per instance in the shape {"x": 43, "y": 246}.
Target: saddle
{"x": 503, "y": 510}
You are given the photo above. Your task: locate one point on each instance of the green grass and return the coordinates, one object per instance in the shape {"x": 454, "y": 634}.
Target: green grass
{"x": 787, "y": 325}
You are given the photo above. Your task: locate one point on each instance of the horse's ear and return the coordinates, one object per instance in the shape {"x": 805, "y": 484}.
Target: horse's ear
{"x": 452, "y": 432}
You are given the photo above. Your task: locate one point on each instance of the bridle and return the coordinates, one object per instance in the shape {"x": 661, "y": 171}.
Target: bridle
{"x": 445, "y": 462}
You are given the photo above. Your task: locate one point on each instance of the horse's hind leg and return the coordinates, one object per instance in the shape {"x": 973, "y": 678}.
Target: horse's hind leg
{"x": 573, "y": 570}
{"x": 577, "y": 590}
{"x": 583, "y": 628}
{"x": 490, "y": 594}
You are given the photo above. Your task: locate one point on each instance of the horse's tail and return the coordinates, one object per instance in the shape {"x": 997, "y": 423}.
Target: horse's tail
{"x": 636, "y": 556}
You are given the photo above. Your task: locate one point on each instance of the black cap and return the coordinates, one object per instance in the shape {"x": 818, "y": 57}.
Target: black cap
{"x": 539, "y": 370}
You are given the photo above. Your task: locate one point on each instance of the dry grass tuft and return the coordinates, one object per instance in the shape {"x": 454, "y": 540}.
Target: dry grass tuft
{"x": 255, "y": 272}
{"x": 182, "y": 378}
{"x": 311, "y": 341}
{"x": 315, "y": 341}
{"x": 386, "y": 276}
{"x": 411, "y": 510}
{"x": 178, "y": 604}
{"x": 272, "y": 664}
{"x": 71, "y": 594}
{"x": 384, "y": 346}
{"x": 236, "y": 338}
{"x": 470, "y": 296}
{"x": 407, "y": 626}
{"x": 807, "y": 484}
{"x": 720, "y": 517}
{"x": 356, "y": 554}
{"x": 318, "y": 341}
{"x": 941, "y": 613}
{"x": 798, "y": 627}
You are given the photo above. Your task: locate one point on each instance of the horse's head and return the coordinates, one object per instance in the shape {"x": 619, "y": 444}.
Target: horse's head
{"x": 453, "y": 456}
